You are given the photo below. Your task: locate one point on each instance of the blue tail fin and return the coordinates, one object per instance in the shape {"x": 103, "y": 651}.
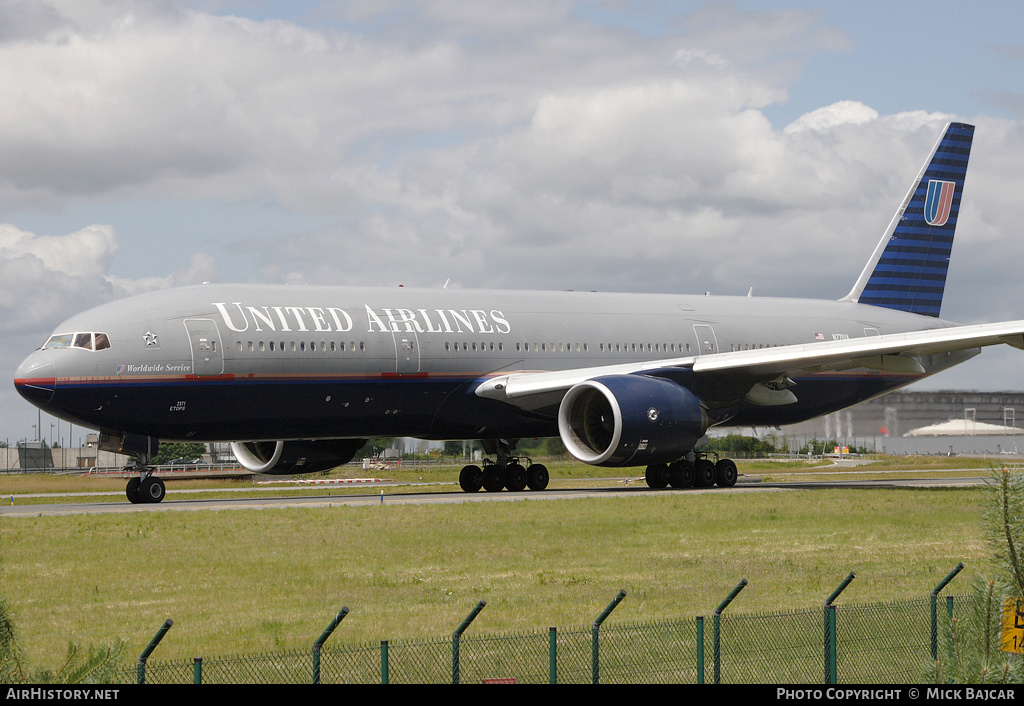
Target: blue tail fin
{"x": 908, "y": 268}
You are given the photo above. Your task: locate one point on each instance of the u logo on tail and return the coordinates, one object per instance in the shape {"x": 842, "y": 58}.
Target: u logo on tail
{"x": 938, "y": 202}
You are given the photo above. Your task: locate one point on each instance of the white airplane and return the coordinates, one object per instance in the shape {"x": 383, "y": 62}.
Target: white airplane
{"x": 298, "y": 377}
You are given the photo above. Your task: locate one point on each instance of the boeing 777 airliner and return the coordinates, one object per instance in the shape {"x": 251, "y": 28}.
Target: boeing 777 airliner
{"x": 298, "y": 377}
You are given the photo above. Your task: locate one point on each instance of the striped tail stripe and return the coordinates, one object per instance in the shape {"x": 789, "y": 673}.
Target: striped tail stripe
{"x": 910, "y": 275}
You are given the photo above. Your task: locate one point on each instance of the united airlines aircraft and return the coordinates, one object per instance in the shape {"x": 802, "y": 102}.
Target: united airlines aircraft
{"x": 297, "y": 378}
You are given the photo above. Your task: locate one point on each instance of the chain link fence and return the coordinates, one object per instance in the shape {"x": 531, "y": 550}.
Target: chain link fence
{"x": 874, "y": 644}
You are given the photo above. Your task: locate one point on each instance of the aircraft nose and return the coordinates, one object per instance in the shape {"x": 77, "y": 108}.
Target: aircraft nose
{"x": 36, "y": 379}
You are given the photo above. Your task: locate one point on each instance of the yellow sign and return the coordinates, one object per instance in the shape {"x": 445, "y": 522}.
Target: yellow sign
{"x": 1011, "y": 636}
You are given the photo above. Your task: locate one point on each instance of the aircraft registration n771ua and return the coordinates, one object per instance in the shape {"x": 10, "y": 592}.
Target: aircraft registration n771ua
{"x": 298, "y": 377}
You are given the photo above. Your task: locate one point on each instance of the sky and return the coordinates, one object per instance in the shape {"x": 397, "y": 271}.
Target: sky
{"x": 612, "y": 145}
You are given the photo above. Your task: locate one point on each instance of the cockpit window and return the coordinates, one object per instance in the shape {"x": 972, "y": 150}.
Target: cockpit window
{"x": 61, "y": 340}
{"x": 89, "y": 341}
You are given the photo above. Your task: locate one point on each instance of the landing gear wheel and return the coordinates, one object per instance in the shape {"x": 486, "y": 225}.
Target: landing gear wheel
{"x": 132, "y": 491}
{"x": 537, "y": 477}
{"x": 703, "y": 473}
{"x": 151, "y": 490}
{"x": 657, "y": 475}
{"x": 680, "y": 474}
{"x": 471, "y": 479}
{"x": 494, "y": 478}
{"x": 726, "y": 473}
{"x": 515, "y": 477}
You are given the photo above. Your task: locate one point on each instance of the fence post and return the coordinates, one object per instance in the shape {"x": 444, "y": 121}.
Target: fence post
{"x": 831, "y": 666}
{"x": 140, "y": 672}
{"x": 700, "y": 649}
{"x": 595, "y": 628}
{"x": 934, "y": 606}
{"x": 718, "y": 628}
{"x": 552, "y": 655}
{"x": 322, "y": 639}
{"x": 949, "y": 614}
{"x": 197, "y": 670}
{"x": 384, "y": 662}
{"x": 458, "y": 634}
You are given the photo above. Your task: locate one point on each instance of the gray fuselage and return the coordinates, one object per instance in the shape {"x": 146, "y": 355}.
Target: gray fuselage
{"x": 245, "y": 362}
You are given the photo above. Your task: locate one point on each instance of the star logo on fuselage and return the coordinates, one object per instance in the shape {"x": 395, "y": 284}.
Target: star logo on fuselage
{"x": 151, "y": 340}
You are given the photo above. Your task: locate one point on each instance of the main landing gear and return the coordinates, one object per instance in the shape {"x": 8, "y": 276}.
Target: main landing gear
{"x": 507, "y": 472}
{"x": 701, "y": 472}
{"x": 146, "y": 488}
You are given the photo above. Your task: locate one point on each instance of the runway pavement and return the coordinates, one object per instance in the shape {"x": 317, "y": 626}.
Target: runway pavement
{"x": 181, "y": 501}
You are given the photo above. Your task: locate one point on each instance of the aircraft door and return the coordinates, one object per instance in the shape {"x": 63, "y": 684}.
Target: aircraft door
{"x": 706, "y": 341}
{"x": 407, "y": 352}
{"x": 207, "y": 354}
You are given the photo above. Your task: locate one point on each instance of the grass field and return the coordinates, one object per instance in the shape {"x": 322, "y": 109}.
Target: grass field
{"x": 263, "y": 580}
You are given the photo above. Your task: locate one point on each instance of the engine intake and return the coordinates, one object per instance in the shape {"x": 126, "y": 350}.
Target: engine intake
{"x": 288, "y": 457}
{"x": 630, "y": 420}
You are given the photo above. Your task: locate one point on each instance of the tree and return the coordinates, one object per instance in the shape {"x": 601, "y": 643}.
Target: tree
{"x": 973, "y": 637}
{"x": 168, "y": 452}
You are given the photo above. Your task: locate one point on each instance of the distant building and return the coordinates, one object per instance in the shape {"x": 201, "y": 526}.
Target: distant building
{"x": 947, "y": 421}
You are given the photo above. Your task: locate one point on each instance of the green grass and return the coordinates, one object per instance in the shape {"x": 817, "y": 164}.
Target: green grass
{"x": 245, "y": 581}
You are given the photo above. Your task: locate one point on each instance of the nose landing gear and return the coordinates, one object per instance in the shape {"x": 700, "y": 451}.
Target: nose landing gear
{"x": 146, "y": 488}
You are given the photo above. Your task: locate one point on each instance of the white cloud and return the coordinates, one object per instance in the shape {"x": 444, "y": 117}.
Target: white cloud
{"x": 829, "y": 116}
{"x": 43, "y": 277}
{"x": 201, "y": 267}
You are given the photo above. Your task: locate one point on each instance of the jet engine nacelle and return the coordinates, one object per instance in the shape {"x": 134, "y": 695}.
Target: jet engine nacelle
{"x": 630, "y": 420}
{"x": 287, "y": 457}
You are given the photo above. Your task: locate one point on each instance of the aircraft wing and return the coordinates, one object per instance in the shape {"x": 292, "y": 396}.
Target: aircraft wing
{"x": 894, "y": 352}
